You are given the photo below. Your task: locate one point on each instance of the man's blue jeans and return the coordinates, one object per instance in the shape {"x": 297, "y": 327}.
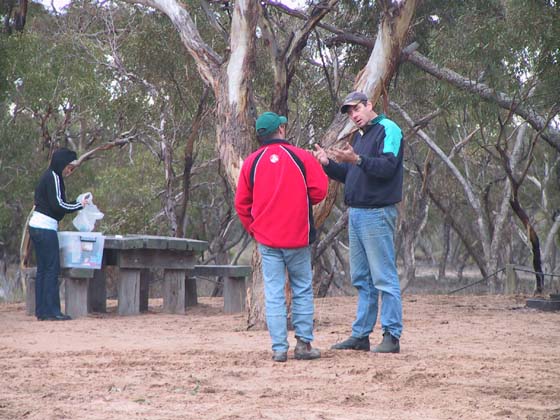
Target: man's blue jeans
{"x": 297, "y": 261}
{"x": 47, "y": 298}
{"x": 373, "y": 269}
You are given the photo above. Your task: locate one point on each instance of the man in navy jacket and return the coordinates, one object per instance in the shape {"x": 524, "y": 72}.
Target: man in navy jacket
{"x": 372, "y": 172}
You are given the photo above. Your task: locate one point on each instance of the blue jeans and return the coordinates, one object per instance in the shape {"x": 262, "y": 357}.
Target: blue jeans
{"x": 373, "y": 269}
{"x": 297, "y": 261}
{"x": 47, "y": 297}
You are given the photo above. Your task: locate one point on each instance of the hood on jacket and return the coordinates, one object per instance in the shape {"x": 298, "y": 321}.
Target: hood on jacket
{"x": 61, "y": 158}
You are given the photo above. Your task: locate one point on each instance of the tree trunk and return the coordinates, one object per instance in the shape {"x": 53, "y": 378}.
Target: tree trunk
{"x": 535, "y": 244}
{"x": 188, "y": 162}
{"x": 445, "y": 253}
{"x": 321, "y": 282}
{"x": 256, "y": 316}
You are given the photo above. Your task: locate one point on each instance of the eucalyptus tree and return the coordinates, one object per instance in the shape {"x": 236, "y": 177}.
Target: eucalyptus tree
{"x": 491, "y": 90}
{"x": 230, "y": 74}
{"x": 139, "y": 52}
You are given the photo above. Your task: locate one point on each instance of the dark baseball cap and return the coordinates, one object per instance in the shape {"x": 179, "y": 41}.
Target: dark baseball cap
{"x": 268, "y": 123}
{"x": 353, "y": 98}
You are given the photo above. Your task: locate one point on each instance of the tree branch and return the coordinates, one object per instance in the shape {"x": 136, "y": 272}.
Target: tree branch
{"x": 207, "y": 60}
{"x": 550, "y": 134}
{"x": 123, "y": 139}
{"x": 473, "y": 200}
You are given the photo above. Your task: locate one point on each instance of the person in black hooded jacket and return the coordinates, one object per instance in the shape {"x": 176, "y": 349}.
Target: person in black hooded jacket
{"x": 50, "y": 208}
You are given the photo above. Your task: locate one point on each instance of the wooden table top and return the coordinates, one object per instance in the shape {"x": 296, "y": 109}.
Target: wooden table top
{"x": 133, "y": 241}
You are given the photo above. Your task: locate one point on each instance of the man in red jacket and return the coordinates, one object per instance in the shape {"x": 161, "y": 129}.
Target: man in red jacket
{"x": 278, "y": 185}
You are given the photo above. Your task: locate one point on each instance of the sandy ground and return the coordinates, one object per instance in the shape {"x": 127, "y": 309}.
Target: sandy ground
{"x": 468, "y": 357}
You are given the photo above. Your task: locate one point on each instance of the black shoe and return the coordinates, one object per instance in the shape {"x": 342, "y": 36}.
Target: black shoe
{"x": 389, "y": 344}
{"x": 60, "y": 317}
{"x": 353, "y": 343}
{"x": 280, "y": 356}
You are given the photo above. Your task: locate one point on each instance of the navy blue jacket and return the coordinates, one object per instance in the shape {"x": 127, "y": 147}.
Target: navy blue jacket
{"x": 377, "y": 181}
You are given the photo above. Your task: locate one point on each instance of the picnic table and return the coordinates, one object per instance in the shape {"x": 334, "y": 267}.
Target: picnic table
{"x": 133, "y": 255}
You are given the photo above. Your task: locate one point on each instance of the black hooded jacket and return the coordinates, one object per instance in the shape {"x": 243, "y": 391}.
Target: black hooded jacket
{"x": 50, "y": 198}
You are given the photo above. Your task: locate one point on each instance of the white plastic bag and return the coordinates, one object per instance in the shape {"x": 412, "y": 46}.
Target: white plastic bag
{"x": 86, "y": 218}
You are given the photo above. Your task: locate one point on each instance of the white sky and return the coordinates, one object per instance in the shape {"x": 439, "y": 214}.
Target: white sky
{"x": 59, "y": 4}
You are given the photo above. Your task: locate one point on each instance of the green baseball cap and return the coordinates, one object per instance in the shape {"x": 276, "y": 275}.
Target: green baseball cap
{"x": 268, "y": 123}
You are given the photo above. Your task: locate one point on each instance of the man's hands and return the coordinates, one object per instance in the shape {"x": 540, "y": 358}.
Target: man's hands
{"x": 345, "y": 154}
{"x": 321, "y": 155}
{"x": 340, "y": 154}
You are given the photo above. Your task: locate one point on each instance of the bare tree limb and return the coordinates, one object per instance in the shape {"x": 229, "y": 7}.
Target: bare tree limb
{"x": 207, "y": 60}
{"x": 301, "y": 15}
{"x": 473, "y": 200}
{"x": 329, "y": 237}
{"x": 549, "y": 133}
{"x": 286, "y": 59}
{"x": 123, "y": 139}
{"x": 213, "y": 20}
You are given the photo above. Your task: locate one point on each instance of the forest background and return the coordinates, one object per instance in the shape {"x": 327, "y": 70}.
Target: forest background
{"x": 137, "y": 89}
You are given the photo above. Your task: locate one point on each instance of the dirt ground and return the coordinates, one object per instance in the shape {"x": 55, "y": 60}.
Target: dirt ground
{"x": 464, "y": 357}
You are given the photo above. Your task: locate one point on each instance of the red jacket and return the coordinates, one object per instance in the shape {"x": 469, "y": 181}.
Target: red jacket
{"x": 277, "y": 187}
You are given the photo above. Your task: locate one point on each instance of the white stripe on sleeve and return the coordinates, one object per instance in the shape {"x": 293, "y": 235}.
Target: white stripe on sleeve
{"x": 61, "y": 202}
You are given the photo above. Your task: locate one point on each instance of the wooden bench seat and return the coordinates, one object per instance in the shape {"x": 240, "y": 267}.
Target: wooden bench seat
{"x": 234, "y": 289}
{"x": 234, "y": 285}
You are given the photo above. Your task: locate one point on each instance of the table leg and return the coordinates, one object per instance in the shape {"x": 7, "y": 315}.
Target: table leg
{"x": 190, "y": 289}
{"x": 129, "y": 291}
{"x": 146, "y": 277}
{"x": 97, "y": 292}
{"x": 174, "y": 291}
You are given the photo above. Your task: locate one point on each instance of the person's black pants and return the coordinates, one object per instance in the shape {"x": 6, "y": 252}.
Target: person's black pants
{"x": 47, "y": 298}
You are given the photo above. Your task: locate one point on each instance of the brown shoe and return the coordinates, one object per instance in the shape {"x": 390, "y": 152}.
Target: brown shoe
{"x": 304, "y": 351}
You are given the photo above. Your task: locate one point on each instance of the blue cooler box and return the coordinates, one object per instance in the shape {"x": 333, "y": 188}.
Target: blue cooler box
{"x": 81, "y": 249}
